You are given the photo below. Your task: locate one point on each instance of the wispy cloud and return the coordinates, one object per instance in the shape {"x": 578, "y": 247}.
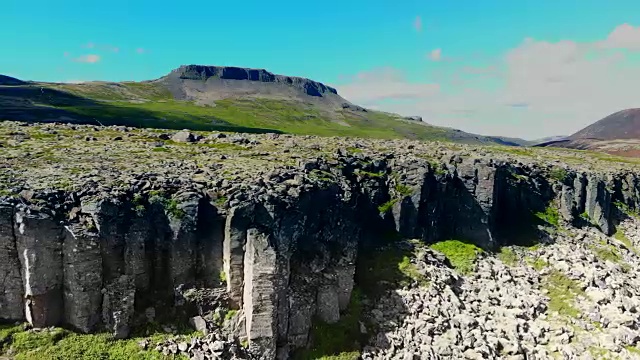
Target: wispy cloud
{"x": 384, "y": 84}
{"x": 142, "y": 51}
{"x": 435, "y": 54}
{"x": 103, "y": 47}
{"x": 417, "y": 23}
{"x": 90, "y": 59}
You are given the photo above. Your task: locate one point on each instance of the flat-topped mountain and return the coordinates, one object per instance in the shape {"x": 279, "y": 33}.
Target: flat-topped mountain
{"x": 205, "y": 73}
{"x": 217, "y": 98}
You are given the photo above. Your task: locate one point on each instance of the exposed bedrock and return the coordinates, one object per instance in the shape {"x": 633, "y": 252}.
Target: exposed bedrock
{"x": 287, "y": 249}
{"x": 204, "y": 73}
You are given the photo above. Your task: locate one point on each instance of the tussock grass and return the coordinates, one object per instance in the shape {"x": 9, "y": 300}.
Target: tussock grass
{"x": 562, "y": 293}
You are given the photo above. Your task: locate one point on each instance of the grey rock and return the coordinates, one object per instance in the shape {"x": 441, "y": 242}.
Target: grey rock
{"x": 12, "y": 289}
{"x": 328, "y": 304}
{"x": 118, "y": 306}
{"x": 199, "y": 324}
{"x": 39, "y": 242}
{"x": 184, "y": 136}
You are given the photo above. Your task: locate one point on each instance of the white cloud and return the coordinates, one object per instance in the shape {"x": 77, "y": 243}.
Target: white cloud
{"x": 370, "y": 87}
{"x": 624, "y": 36}
{"x": 141, "y": 51}
{"x": 417, "y": 23}
{"x": 536, "y": 89}
{"x": 90, "y": 59}
{"x": 435, "y": 54}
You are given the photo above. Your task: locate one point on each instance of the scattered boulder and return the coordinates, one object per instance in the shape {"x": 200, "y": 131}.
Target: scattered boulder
{"x": 184, "y": 136}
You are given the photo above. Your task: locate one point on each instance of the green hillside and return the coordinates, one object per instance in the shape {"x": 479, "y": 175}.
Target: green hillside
{"x": 150, "y": 104}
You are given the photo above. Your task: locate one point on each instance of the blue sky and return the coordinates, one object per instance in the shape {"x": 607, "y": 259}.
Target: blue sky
{"x": 405, "y": 56}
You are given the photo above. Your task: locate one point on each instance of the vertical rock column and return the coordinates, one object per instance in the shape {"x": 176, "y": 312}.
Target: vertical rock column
{"x": 260, "y": 295}
{"x": 210, "y": 239}
{"x": 597, "y": 204}
{"x": 475, "y": 211}
{"x": 184, "y": 242}
{"x": 39, "y": 244}
{"x": 118, "y": 306}
{"x": 235, "y": 236}
{"x": 137, "y": 265}
{"x": 82, "y": 279}
{"x": 11, "y": 287}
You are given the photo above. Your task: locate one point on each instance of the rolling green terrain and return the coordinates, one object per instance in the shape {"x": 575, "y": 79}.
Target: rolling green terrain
{"x": 152, "y": 105}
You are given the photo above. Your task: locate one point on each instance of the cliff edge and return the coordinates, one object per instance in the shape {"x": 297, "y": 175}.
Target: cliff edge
{"x": 102, "y": 226}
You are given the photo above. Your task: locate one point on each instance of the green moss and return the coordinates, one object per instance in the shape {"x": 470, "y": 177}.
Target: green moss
{"x": 171, "y": 206}
{"x": 537, "y": 263}
{"x": 437, "y": 167}
{"x": 632, "y": 349}
{"x": 534, "y": 247}
{"x": 461, "y": 255}
{"x": 620, "y": 236}
{"x": 350, "y": 355}
{"x": 6, "y": 333}
{"x": 627, "y": 210}
{"x": 61, "y": 344}
{"x": 606, "y": 252}
{"x": 409, "y": 269}
{"x": 508, "y": 256}
{"x": 403, "y": 190}
{"x": 341, "y": 340}
{"x": 230, "y": 314}
{"x": 386, "y": 207}
{"x": 602, "y": 353}
{"x": 370, "y": 174}
{"x": 519, "y": 177}
{"x": 387, "y": 267}
{"x": 550, "y": 216}
{"x": 221, "y": 200}
{"x": 558, "y": 174}
{"x": 514, "y": 150}
{"x": 223, "y": 276}
{"x": 354, "y": 150}
{"x": 585, "y": 216}
{"x": 160, "y": 149}
{"x": 562, "y": 293}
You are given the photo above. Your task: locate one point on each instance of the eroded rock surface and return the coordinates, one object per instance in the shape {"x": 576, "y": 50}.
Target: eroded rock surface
{"x": 280, "y": 224}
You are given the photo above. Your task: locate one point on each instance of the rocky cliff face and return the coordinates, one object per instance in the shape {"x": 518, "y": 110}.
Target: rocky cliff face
{"x": 286, "y": 242}
{"x": 204, "y": 73}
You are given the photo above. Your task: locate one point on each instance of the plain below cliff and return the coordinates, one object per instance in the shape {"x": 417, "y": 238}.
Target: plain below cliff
{"x": 217, "y": 98}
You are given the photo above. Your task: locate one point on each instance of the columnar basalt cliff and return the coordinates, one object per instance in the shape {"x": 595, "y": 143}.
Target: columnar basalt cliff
{"x": 286, "y": 242}
{"x": 203, "y": 73}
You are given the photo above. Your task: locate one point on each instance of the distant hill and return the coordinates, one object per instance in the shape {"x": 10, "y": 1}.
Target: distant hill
{"x": 624, "y": 124}
{"x": 618, "y": 134}
{"x": 9, "y": 81}
{"x": 217, "y": 98}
